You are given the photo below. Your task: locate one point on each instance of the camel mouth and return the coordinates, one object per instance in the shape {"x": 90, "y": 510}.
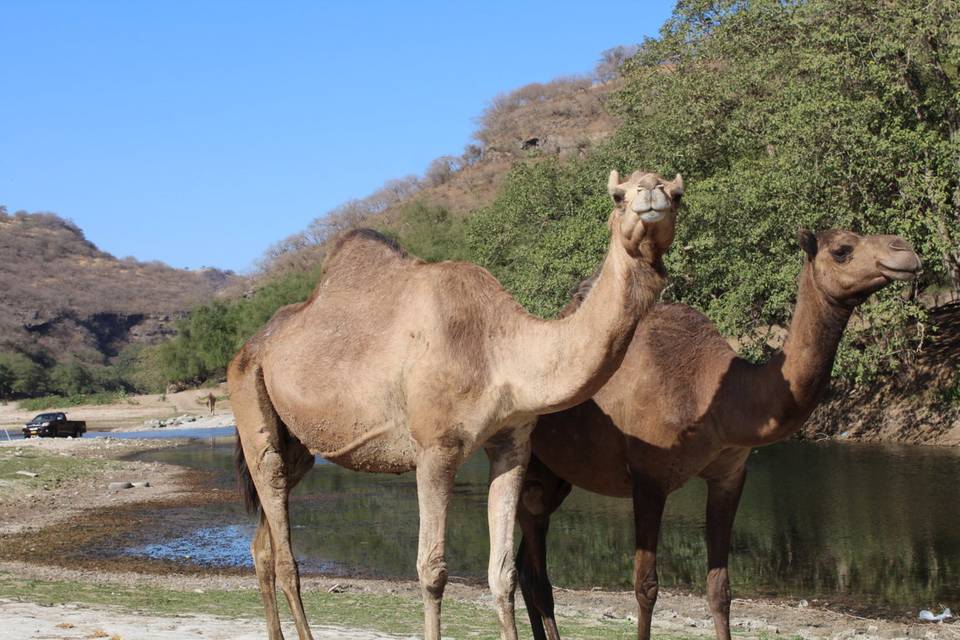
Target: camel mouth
{"x": 900, "y": 272}
{"x": 652, "y": 216}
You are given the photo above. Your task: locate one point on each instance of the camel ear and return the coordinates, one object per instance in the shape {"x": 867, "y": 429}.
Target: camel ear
{"x": 808, "y": 242}
{"x": 676, "y": 186}
{"x": 613, "y": 187}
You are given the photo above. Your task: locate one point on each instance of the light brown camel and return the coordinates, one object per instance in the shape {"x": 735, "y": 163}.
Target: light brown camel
{"x": 394, "y": 364}
{"x": 683, "y": 404}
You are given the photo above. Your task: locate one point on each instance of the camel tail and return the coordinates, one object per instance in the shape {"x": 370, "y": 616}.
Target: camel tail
{"x": 245, "y": 486}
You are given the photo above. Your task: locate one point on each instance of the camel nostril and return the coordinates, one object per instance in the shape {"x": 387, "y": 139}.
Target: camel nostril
{"x": 899, "y": 244}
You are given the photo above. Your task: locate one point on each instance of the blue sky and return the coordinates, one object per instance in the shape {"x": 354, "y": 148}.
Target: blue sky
{"x": 200, "y": 133}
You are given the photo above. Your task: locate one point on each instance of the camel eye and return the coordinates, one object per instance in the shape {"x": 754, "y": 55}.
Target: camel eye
{"x": 840, "y": 254}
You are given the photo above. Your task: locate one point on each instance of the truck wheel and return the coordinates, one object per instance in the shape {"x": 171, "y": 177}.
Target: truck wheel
{"x": 76, "y": 432}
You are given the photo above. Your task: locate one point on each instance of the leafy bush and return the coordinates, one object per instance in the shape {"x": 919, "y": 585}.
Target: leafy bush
{"x": 20, "y": 376}
{"x": 545, "y": 231}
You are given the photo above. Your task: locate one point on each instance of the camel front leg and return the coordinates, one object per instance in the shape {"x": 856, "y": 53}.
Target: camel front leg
{"x": 508, "y": 463}
{"x": 723, "y": 498}
{"x": 648, "y": 502}
{"x": 435, "y": 472}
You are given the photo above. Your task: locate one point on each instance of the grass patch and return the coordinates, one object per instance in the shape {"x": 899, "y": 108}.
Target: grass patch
{"x": 53, "y": 470}
{"x": 58, "y": 402}
{"x": 385, "y": 613}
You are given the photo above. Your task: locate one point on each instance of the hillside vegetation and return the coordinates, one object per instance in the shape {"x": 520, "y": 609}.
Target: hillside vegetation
{"x": 73, "y": 317}
{"x": 812, "y": 114}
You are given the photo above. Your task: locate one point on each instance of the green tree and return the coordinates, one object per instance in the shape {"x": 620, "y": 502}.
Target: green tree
{"x": 545, "y": 230}
{"x": 28, "y": 377}
{"x": 71, "y": 379}
{"x": 7, "y": 379}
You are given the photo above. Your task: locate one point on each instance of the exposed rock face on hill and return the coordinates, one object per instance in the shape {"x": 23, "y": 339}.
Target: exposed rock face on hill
{"x": 61, "y": 296}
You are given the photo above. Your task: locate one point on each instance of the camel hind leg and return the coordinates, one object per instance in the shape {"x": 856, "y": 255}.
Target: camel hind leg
{"x": 723, "y": 497}
{"x": 543, "y": 493}
{"x": 262, "y": 550}
{"x": 275, "y": 463}
{"x": 262, "y": 547}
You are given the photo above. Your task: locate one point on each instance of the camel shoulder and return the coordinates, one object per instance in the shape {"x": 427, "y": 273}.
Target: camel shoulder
{"x": 250, "y": 353}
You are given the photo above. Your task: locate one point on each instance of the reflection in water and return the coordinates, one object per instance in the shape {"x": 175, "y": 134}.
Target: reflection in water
{"x": 226, "y": 546}
{"x": 873, "y": 525}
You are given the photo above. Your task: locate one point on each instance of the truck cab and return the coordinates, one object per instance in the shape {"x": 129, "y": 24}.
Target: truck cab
{"x": 52, "y": 425}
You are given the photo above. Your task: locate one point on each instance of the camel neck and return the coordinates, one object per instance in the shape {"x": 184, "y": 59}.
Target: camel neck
{"x": 778, "y": 396}
{"x": 559, "y": 363}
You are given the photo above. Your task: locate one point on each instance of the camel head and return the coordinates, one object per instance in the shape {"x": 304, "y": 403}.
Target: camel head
{"x": 848, "y": 267}
{"x": 645, "y": 212}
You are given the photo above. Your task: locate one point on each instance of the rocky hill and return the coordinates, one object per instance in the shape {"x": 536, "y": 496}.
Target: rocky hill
{"x": 62, "y": 296}
{"x": 566, "y": 118}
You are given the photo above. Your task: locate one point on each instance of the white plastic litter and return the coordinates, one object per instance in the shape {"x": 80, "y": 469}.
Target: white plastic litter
{"x": 930, "y": 616}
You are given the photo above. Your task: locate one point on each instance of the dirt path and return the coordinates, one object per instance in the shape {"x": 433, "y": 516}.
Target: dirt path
{"x": 24, "y": 620}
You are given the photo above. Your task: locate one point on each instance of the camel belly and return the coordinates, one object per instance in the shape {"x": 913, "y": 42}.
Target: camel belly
{"x": 584, "y": 448}
{"x": 356, "y": 431}
{"x": 380, "y": 447}
{"x": 388, "y": 449}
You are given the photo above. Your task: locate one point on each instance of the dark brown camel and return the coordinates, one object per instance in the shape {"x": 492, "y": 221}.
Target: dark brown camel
{"x": 683, "y": 404}
{"x": 394, "y": 365}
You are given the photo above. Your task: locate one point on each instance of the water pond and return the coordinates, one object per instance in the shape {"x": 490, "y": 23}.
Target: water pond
{"x": 872, "y": 527}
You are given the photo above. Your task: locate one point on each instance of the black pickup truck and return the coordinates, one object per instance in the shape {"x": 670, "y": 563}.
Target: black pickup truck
{"x": 52, "y": 425}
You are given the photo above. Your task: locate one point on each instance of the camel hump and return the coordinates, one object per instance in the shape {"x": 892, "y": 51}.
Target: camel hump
{"x": 669, "y": 325}
{"x": 670, "y": 313}
{"x": 670, "y": 318}
{"x": 362, "y": 247}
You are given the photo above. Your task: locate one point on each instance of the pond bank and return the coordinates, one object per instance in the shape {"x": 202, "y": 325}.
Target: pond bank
{"x": 219, "y": 597}
{"x": 918, "y": 404}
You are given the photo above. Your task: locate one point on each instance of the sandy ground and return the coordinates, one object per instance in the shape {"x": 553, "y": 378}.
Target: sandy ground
{"x": 675, "y": 614}
{"x": 131, "y": 413}
{"x": 36, "y": 510}
{"x": 23, "y": 620}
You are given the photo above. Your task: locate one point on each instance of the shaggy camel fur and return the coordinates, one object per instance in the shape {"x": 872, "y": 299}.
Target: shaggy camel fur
{"x": 394, "y": 365}
{"x": 683, "y": 404}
